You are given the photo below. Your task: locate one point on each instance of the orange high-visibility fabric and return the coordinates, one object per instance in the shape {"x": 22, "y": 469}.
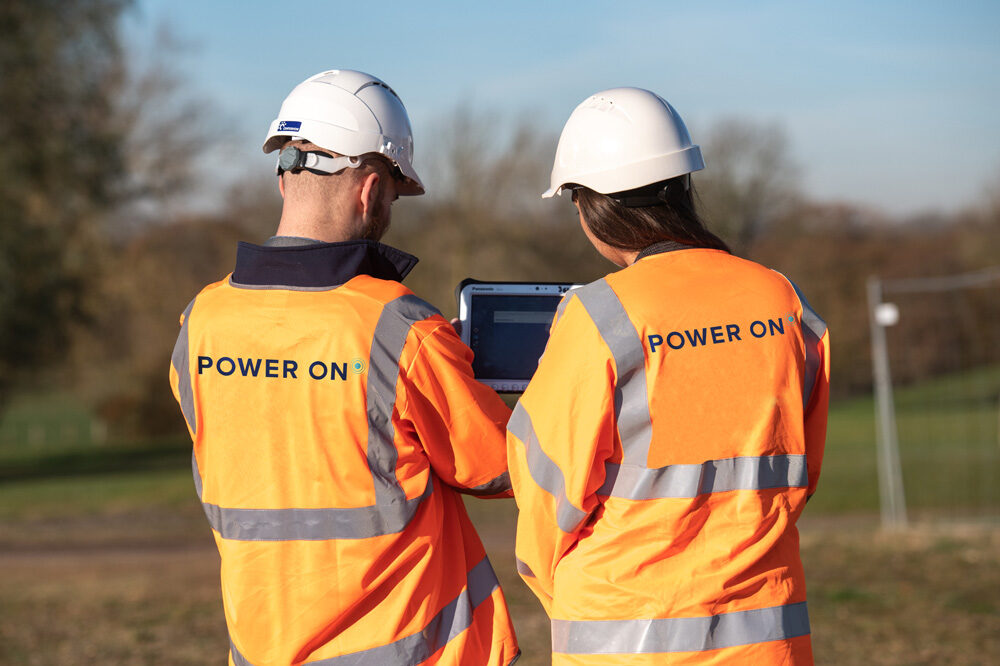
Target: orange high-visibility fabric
{"x": 658, "y": 500}
{"x": 276, "y": 386}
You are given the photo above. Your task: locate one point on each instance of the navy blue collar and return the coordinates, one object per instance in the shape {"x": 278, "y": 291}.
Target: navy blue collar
{"x": 663, "y": 246}
{"x": 317, "y": 265}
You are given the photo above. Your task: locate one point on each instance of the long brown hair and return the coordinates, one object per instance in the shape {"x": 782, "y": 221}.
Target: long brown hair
{"x": 625, "y": 228}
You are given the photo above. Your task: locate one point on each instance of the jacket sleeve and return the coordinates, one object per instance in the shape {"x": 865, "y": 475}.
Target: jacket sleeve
{"x": 179, "y": 373}
{"x": 559, "y": 437}
{"x": 816, "y": 409}
{"x": 816, "y": 386}
{"x": 458, "y": 420}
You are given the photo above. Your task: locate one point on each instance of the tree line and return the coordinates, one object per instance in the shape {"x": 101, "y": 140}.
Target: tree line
{"x": 96, "y": 264}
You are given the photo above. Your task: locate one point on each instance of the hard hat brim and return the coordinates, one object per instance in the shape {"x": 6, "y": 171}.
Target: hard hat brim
{"x": 638, "y": 174}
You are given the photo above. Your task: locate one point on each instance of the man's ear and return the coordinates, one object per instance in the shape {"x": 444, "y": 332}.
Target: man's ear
{"x": 369, "y": 189}
{"x": 281, "y": 185}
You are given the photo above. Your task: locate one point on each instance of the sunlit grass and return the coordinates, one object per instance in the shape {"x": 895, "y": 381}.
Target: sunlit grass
{"x": 949, "y": 444}
{"x": 949, "y": 449}
{"x": 107, "y": 557}
{"x": 99, "y": 494}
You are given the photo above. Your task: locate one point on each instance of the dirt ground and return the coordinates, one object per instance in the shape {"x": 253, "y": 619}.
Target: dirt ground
{"x": 143, "y": 589}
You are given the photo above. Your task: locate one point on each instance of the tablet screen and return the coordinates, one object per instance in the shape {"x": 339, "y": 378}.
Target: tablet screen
{"x": 509, "y": 333}
{"x": 506, "y": 324}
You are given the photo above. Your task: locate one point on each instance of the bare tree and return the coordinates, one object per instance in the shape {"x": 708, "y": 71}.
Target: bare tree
{"x": 483, "y": 216}
{"x": 165, "y": 128}
{"x": 749, "y": 180}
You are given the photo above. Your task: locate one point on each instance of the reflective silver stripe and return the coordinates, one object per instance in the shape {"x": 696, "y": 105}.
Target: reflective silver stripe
{"x": 238, "y": 658}
{"x": 544, "y": 471}
{"x": 181, "y": 362}
{"x": 631, "y": 401}
{"x": 500, "y": 484}
{"x": 196, "y": 473}
{"x": 810, "y": 319}
{"x": 813, "y": 330}
{"x": 450, "y": 621}
{"x": 523, "y": 568}
{"x": 391, "y": 332}
{"x": 561, "y": 308}
{"x": 684, "y": 634}
{"x": 712, "y": 476}
{"x": 414, "y": 649}
{"x": 313, "y": 524}
{"x": 444, "y": 627}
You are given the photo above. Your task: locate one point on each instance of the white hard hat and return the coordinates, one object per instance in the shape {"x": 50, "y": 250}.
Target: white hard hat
{"x": 351, "y": 113}
{"x": 622, "y": 139}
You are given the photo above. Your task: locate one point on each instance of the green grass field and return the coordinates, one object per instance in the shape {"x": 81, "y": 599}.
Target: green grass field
{"x": 949, "y": 443}
{"x": 135, "y": 581}
{"x": 949, "y": 450}
{"x": 107, "y": 557}
{"x": 34, "y": 428}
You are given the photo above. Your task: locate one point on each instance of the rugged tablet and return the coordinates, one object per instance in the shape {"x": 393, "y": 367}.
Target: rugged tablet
{"x": 507, "y": 325}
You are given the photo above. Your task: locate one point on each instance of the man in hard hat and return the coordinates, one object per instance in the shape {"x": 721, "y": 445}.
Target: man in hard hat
{"x": 335, "y": 417}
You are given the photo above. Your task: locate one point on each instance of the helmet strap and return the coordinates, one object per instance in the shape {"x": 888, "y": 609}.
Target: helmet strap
{"x": 641, "y": 197}
{"x": 654, "y": 194}
{"x": 293, "y": 159}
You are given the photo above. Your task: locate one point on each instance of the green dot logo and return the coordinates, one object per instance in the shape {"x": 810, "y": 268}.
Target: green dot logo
{"x": 358, "y": 366}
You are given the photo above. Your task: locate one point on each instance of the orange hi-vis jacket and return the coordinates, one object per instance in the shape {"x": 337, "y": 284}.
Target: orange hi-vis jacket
{"x": 660, "y": 457}
{"x": 335, "y": 419}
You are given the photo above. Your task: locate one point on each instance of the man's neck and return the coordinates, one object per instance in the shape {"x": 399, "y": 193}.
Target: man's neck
{"x": 321, "y": 228}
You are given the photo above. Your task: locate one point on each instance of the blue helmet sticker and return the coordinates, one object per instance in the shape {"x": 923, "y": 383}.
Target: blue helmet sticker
{"x": 289, "y": 126}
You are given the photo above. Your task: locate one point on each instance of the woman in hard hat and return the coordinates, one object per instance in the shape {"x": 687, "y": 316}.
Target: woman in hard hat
{"x": 674, "y": 430}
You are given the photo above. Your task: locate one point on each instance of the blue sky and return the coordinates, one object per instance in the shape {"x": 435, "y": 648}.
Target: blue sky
{"x": 889, "y": 104}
